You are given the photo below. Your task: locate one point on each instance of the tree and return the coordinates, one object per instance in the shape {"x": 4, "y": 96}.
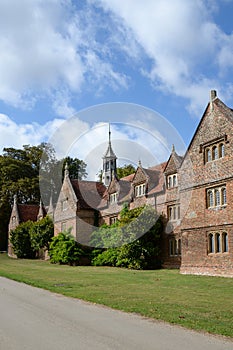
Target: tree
{"x": 19, "y": 174}
{"x": 133, "y": 249}
{"x": 77, "y": 168}
{"x": 125, "y": 170}
{"x": 31, "y": 173}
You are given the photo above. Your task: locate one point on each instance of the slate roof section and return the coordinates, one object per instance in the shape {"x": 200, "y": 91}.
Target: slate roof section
{"x": 109, "y": 153}
{"x": 155, "y": 178}
{"x": 88, "y": 193}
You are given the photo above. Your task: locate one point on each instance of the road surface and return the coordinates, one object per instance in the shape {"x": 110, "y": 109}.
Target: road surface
{"x": 35, "y": 319}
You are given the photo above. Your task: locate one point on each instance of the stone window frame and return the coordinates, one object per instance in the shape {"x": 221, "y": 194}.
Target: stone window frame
{"x": 113, "y": 198}
{"x": 113, "y": 219}
{"x": 63, "y": 226}
{"x": 217, "y": 242}
{"x": 140, "y": 190}
{"x": 172, "y": 180}
{"x": 214, "y": 150}
{"x": 216, "y": 197}
{"x": 64, "y": 204}
{"x": 173, "y": 212}
{"x": 174, "y": 246}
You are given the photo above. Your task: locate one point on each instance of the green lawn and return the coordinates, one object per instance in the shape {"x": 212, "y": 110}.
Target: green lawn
{"x": 197, "y": 302}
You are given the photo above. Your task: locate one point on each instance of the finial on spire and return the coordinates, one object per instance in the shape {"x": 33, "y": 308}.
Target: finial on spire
{"x": 15, "y": 199}
{"x": 109, "y": 132}
{"x": 66, "y": 170}
{"x": 173, "y": 148}
{"x": 40, "y": 213}
{"x": 140, "y": 163}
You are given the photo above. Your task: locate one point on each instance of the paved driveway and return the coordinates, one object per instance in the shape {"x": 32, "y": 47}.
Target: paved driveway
{"x": 35, "y": 319}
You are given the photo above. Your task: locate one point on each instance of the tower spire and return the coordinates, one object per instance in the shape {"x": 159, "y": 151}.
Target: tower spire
{"x": 109, "y": 162}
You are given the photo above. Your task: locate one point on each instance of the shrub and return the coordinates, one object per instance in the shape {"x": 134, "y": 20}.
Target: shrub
{"x": 29, "y": 237}
{"x": 41, "y": 233}
{"x": 21, "y": 240}
{"x": 64, "y": 249}
{"x": 106, "y": 258}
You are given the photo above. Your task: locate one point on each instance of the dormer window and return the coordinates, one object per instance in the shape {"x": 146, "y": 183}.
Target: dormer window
{"x": 140, "y": 190}
{"x": 172, "y": 181}
{"x": 113, "y": 198}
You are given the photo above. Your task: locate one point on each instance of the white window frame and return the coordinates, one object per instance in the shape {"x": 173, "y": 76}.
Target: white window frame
{"x": 172, "y": 180}
{"x": 140, "y": 190}
{"x": 113, "y": 198}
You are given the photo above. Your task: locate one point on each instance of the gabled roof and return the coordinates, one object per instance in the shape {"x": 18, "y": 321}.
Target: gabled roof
{"x": 156, "y": 178}
{"x": 173, "y": 163}
{"x": 89, "y": 193}
{"x": 140, "y": 175}
{"x": 222, "y": 108}
{"x": 153, "y": 176}
{"x": 29, "y": 212}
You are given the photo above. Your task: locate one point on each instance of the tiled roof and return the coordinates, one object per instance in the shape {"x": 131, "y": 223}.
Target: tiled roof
{"x": 156, "y": 178}
{"x": 28, "y": 212}
{"x": 88, "y": 193}
{"x": 128, "y": 177}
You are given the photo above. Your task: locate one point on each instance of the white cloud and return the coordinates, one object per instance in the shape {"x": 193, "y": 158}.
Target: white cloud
{"x": 188, "y": 51}
{"x": 16, "y": 135}
{"x": 48, "y": 47}
{"x": 61, "y": 49}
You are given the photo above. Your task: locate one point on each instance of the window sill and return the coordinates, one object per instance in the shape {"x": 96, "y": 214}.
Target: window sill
{"x": 220, "y": 207}
{"x": 218, "y": 254}
{"x": 175, "y": 255}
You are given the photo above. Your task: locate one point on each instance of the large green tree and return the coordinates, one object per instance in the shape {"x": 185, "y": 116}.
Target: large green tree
{"x": 31, "y": 173}
{"x": 133, "y": 241}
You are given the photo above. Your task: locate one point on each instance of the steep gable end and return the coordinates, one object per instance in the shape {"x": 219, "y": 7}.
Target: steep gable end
{"x": 216, "y": 114}
{"x": 173, "y": 163}
{"x": 140, "y": 176}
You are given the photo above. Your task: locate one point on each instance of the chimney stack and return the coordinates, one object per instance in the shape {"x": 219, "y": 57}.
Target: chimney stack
{"x": 213, "y": 95}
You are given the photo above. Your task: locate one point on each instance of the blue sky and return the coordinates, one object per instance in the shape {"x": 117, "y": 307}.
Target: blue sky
{"x": 59, "y": 57}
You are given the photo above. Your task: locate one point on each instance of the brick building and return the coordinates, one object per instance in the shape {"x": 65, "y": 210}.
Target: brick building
{"x": 193, "y": 192}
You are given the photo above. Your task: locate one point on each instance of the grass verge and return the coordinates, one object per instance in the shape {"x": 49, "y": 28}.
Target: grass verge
{"x": 196, "y": 302}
